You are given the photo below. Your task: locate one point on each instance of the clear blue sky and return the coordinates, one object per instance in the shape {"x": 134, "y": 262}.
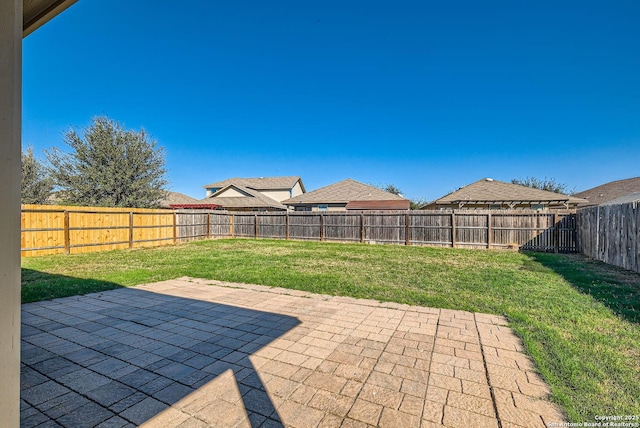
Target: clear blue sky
{"x": 427, "y": 95}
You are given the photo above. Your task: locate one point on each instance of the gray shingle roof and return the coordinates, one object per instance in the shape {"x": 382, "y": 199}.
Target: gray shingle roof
{"x": 262, "y": 183}
{"x": 625, "y": 199}
{"x": 243, "y": 202}
{"x": 175, "y": 198}
{"x": 609, "y": 191}
{"x": 343, "y": 192}
{"x": 488, "y": 190}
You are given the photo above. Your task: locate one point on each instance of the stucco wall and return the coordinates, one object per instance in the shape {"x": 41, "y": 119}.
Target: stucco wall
{"x": 10, "y": 176}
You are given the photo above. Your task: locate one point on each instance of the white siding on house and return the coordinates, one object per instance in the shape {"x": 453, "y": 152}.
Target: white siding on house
{"x": 232, "y": 193}
{"x": 296, "y": 190}
{"x": 278, "y": 195}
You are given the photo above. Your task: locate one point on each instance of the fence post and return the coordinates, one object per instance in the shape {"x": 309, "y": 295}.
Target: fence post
{"x": 175, "y": 228}
{"x": 597, "y": 252}
{"x": 130, "y": 229}
{"x": 556, "y": 233}
{"x": 361, "y": 227}
{"x": 231, "y": 225}
{"x": 489, "y": 230}
{"x": 321, "y": 227}
{"x": 407, "y": 233}
{"x": 574, "y": 223}
{"x": 453, "y": 229}
{"x": 255, "y": 226}
{"x": 286, "y": 226}
{"x": 67, "y": 238}
{"x": 208, "y": 225}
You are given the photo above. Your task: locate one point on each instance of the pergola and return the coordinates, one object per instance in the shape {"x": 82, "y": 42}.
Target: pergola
{"x": 18, "y": 19}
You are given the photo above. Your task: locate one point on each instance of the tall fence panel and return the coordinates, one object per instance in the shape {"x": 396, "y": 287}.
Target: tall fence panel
{"x": 51, "y": 229}
{"x": 610, "y": 233}
{"x": 58, "y": 229}
{"x": 431, "y": 228}
{"x": 305, "y": 226}
{"x": 387, "y": 228}
{"x": 192, "y": 225}
{"x": 530, "y": 230}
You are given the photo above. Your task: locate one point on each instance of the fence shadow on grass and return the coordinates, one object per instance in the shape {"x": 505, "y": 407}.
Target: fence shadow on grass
{"x": 38, "y": 285}
{"x": 616, "y": 288}
{"x": 127, "y": 355}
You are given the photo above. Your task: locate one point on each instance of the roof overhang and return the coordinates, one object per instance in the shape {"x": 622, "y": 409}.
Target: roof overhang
{"x": 195, "y": 206}
{"x": 36, "y": 13}
{"x": 495, "y": 201}
{"x": 379, "y": 205}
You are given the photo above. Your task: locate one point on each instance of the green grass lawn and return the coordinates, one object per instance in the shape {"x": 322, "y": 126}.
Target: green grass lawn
{"x": 579, "y": 319}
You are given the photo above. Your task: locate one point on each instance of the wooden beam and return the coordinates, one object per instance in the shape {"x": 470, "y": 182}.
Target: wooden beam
{"x": 286, "y": 224}
{"x": 67, "y": 237}
{"x": 453, "y": 229}
{"x": 407, "y": 229}
{"x": 131, "y": 229}
{"x": 489, "y": 231}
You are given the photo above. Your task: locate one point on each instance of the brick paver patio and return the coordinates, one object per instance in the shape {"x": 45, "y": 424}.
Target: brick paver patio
{"x": 196, "y": 353}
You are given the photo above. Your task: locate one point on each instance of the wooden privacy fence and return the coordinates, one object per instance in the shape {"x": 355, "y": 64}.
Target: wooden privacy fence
{"x": 609, "y": 233}
{"x": 529, "y": 230}
{"x": 57, "y": 229}
{"x": 48, "y": 229}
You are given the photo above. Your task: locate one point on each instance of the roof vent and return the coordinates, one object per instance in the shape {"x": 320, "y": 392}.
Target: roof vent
{"x": 488, "y": 179}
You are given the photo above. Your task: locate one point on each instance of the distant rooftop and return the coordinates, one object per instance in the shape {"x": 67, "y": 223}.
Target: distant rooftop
{"x": 610, "y": 191}
{"x": 259, "y": 183}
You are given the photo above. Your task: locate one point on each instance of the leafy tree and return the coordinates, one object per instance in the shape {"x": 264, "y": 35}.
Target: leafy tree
{"x": 414, "y": 204}
{"x": 391, "y": 188}
{"x": 109, "y": 166}
{"x": 549, "y": 184}
{"x": 37, "y": 184}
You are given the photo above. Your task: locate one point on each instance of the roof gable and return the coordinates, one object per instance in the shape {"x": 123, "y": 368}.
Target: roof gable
{"x": 343, "y": 192}
{"x": 488, "y": 190}
{"x": 230, "y": 189}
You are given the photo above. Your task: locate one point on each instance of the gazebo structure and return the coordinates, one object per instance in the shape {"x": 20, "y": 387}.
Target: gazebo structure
{"x": 18, "y": 19}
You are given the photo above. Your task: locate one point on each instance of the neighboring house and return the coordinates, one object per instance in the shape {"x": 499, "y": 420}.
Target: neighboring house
{"x": 175, "y": 200}
{"x": 253, "y": 194}
{"x": 347, "y": 195}
{"x": 493, "y": 194}
{"x": 610, "y": 191}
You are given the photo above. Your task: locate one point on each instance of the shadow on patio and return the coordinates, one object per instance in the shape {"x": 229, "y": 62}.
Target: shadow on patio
{"x": 129, "y": 356}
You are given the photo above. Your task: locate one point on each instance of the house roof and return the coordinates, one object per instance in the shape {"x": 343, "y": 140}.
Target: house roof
{"x": 343, "y": 192}
{"x": 625, "y": 199}
{"x": 175, "y": 198}
{"x": 489, "y": 190}
{"x": 262, "y": 183}
{"x": 244, "y": 202}
{"x": 379, "y": 205}
{"x": 36, "y": 13}
{"x": 610, "y": 191}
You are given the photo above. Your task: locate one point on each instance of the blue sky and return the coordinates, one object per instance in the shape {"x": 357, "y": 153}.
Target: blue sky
{"x": 426, "y": 95}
